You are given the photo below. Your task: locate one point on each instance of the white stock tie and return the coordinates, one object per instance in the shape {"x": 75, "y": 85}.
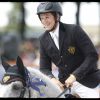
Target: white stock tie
{"x": 56, "y": 40}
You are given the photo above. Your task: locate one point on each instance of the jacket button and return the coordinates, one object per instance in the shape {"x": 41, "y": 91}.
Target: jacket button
{"x": 61, "y": 56}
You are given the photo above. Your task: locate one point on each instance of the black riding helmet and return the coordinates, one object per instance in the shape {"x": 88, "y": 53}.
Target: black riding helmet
{"x": 52, "y": 7}
{"x": 49, "y": 7}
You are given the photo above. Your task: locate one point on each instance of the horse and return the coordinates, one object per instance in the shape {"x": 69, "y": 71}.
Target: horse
{"x": 20, "y": 81}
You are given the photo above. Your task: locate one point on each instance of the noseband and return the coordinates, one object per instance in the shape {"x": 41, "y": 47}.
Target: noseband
{"x": 16, "y": 78}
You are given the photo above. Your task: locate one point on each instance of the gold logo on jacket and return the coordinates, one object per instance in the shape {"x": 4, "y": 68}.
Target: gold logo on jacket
{"x": 71, "y": 50}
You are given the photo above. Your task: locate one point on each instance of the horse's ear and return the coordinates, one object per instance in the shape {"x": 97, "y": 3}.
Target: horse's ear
{"x": 4, "y": 63}
{"x": 19, "y": 62}
{"x": 20, "y": 65}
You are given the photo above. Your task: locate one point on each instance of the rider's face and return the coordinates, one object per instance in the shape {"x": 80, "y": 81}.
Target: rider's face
{"x": 48, "y": 20}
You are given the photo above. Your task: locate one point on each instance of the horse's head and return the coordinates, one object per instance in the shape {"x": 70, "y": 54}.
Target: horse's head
{"x": 19, "y": 81}
{"x": 14, "y": 79}
{"x": 15, "y": 72}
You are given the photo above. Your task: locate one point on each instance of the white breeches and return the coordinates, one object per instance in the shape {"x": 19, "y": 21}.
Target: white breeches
{"x": 85, "y": 92}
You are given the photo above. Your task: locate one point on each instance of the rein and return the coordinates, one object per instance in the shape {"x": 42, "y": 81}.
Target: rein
{"x": 62, "y": 93}
{"x": 68, "y": 95}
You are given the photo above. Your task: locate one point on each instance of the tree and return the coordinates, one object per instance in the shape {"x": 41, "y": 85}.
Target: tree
{"x": 17, "y": 19}
{"x": 78, "y": 13}
{"x": 22, "y": 23}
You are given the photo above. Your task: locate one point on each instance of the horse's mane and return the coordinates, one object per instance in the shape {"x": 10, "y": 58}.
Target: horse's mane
{"x": 38, "y": 74}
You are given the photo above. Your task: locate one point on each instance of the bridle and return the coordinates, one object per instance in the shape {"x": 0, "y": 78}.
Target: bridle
{"x": 27, "y": 80}
{"x": 24, "y": 88}
{"x": 62, "y": 93}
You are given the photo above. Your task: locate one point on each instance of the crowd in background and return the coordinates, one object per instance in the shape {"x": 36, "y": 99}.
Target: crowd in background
{"x": 28, "y": 50}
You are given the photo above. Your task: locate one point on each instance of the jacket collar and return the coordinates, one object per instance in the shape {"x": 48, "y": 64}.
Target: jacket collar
{"x": 61, "y": 37}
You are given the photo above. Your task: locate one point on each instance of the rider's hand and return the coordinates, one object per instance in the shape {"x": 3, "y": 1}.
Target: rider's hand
{"x": 57, "y": 82}
{"x": 70, "y": 80}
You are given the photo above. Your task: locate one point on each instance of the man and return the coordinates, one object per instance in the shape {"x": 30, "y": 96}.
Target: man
{"x": 71, "y": 50}
{"x": 10, "y": 51}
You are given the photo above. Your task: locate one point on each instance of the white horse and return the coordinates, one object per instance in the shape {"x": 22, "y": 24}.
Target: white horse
{"x": 20, "y": 81}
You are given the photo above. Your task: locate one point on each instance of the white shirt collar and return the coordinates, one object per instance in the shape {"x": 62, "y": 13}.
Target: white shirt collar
{"x": 56, "y": 31}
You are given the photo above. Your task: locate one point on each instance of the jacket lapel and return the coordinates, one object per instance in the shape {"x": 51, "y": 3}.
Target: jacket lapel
{"x": 52, "y": 42}
{"x": 61, "y": 36}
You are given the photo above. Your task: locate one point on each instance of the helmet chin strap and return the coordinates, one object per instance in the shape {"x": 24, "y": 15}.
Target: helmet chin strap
{"x": 57, "y": 19}
{"x": 54, "y": 27}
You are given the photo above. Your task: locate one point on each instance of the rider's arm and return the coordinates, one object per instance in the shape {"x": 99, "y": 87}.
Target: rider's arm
{"x": 87, "y": 48}
{"x": 45, "y": 62}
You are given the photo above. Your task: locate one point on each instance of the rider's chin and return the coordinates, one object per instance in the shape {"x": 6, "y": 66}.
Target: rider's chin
{"x": 47, "y": 28}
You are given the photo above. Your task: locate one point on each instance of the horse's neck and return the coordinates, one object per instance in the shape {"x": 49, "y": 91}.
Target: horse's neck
{"x": 51, "y": 88}
{"x": 36, "y": 73}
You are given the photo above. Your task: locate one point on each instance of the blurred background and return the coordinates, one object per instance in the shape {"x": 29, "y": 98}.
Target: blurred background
{"x": 20, "y": 27}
